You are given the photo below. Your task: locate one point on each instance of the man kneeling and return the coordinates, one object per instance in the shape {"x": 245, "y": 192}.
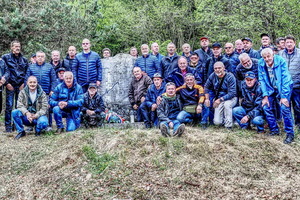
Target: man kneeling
{"x": 93, "y": 108}
{"x": 168, "y": 110}
{"x": 32, "y": 107}
{"x": 66, "y": 101}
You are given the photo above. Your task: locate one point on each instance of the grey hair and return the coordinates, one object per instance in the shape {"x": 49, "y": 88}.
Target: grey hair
{"x": 266, "y": 51}
{"x": 243, "y": 55}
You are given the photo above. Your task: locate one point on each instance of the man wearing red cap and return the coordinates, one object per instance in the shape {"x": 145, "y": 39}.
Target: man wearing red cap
{"x": 204, "y": 52}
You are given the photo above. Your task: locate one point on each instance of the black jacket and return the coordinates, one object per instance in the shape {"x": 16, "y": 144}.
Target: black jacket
{"x": 95, "y": 103}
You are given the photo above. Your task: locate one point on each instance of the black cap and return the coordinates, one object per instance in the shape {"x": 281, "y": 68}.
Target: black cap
{"x": 246, "y": 38}
{"x": 33, "y": 55}
{"x": 157, "y": 75}
{"x": 61, "y": 69}
{"x": 264, "y": 34}
{"x": 94, "y": 85}
{"x": 216, "y": 44}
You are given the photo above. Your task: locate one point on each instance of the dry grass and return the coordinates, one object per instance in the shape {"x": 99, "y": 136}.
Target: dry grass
{"x": 140, "y": 164}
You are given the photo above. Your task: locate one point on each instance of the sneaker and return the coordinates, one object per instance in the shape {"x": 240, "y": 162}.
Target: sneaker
{"x": 29, "y": 129}
{"x": 48, "y": 129}
{"x": 21, "y": 134}
{"x": 180, "y": 130}
{"x": 164, "y": 130}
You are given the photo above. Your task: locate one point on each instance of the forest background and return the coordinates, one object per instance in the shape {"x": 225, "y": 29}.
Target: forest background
{"x": 121, "y": 24}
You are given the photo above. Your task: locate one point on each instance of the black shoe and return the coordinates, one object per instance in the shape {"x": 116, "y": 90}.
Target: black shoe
{"x": 29, "y": 129}
{"x": 59, "y": 131}
{"x": 273, "y": 133}
{"x": 37, "y": 134}
{"x": 289, "y": 139}
{"x": 148, "y": 125}
{"x": 8, "y": 129}
{"x": 21, "y": 134}
{"x": 203, "y": 126}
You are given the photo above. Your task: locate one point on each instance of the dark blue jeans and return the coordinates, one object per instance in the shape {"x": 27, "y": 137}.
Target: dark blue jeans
{"x": 240, "y": 112}
{"x": 149, "y": 116}
{"x": 185, "y": 117}
{"x": 270, "y": 112}
{"x": 295, "y": 99}
{"x": 59, "y": 114}
{"x": 11, "y": 97}
{"x": 20, "y": 120}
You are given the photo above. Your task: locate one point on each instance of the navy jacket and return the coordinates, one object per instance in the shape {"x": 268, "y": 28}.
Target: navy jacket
{"x": 3, "y": 70}
{"x": 234, "y": 60}
{"x": 56, "y": 67}
{"x": 17, "y": 67}
{"x": 87, "y": 68}
{"x": 252, "y": 98}
{"x": 74, "y": 97}
{"x": 253, "y": 53}
{"x": 177, "y": 77}
{"x": 203, "y": 55}
{"x": 67, "y": 63}
{"x": 153, "y": 93}
{"x": 159, "y": 57}
{"x": 191, "y": 96}
{"x": 209, "y": 66}
{"x": 45, "y": 76}
{"x": 95, "y": 103}
{"x": 228, "y": 88}
{"x": 168, "y": 65}
{"x": 148, "y": 64}
{"x": 241, "y": 71}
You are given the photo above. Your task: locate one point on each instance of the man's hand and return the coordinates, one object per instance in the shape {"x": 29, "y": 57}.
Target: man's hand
{"x": 62, "y": 104}
{"x": 90, "y": 112}
{"x": 245, "y": 119}
{"x": 265, "y": 101}
{"x": 154, "y": 107}
{"x": 171, "y": 125}
{"x": 143, "y": 99}
{"x": 2, "y": 81}
{"x": 158, "y": 100}
{"x": 216, "y": 103}
{"x": 34, "y": 116}
{"x": 21, "y": 87}
{"x": 29, "y": 117}
{"x": 135, "y": 107}
{"x": 98, "y": 83}
{"x": 199, "y": 109}
{"x": 285, "y": 102}
{"x": 9, "y": 87}
{"x": 50, "y": 94}
{"x": 207, "y": 103}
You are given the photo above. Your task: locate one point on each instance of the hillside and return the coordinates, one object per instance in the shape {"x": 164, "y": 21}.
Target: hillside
{"x": 140, "y": 164}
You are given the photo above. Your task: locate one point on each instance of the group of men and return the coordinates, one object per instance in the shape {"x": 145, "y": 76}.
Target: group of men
{"x": 202, "y": 87}
{"x": 68, "y": 89}
{"x": 208, "y": 87}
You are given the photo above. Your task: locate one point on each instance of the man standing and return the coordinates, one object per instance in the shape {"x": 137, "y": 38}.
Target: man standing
{"x": 155, "y": 52}
{"x": 4, "y": 75}
{"x": 148, "y": 63}
{"x": 149, "y": 106}
{"x": 17, "y": 66}
{"x": 87, "y": 67}
{"x": 66, "y": 101}
{"x": 248, "y": 48}
{"x": 93, "y": 108}
{"x": 250, "y": 110}
{"x": 67, "y": 64}
{"x": 276, "y": 84}
{"x": 167, "y": 112}
{"x": 265, "y": 42}
{"x": 223, "y": 86}
{"x": 239, "y": 47}
{"x": 280, "y": 43}
{"x": 231, "y": 56}
{"x": 138, "y": 90}
{"x": 186, "y": 51}
{"x": 106, "y": 53}
{"x": 55, "y": 60}
{"x": 204, "y": 52}
{"x": 31, "y": 109}
{"x": 169, "y": 62}
{"x": 291, "y": 54}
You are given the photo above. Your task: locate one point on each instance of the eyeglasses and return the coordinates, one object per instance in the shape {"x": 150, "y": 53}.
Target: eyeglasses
{"x": 85, "y": 43}
{"x": 228, "y": 47}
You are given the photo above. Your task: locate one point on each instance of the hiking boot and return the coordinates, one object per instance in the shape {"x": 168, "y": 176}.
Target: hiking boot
{"x": 59, "y": 131}
{"x": 180, "y": 130}
{"x": 273, "y": 133}
{"x": 289, "y": 139}
{"x": 164, "y": 130}
{"x": 21, "y": 134}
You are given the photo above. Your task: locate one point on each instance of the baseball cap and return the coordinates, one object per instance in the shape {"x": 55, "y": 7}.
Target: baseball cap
{"x": 250, "y": 74}
{"x": 157, "y": 75}
{"x": 204, "y": 38}
{"x": 94, "y": 85}
{"x": 264, "y": 34}
{"x": 246, "y": 38}
{"x": 216, "y": 44}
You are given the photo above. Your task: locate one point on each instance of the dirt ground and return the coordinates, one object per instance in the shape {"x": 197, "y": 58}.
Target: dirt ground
{"x": 141, "y": 164}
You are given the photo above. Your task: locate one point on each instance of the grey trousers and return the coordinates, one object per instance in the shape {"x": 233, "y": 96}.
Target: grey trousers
{"x": 223, "y": 113}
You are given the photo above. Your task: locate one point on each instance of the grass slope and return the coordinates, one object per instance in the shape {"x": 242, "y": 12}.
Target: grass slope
{"x": 140, "y": 164}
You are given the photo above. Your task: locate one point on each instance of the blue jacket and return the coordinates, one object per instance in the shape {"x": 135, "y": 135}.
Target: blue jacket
{"x": 74, "y": 97}
{"x": 293, "y": 64}
{"x": 153, "y": 93}
{"x": 168, "y": 65}
{"x": 17, "y": 67}
{"x": 209, "y": 66}
{"x": 234, "y": 60}
{"x": 67, "y": 63}
{"x": 45, "y": 76}
{"x": 187, "y": 57}
{"x": 282, "y": 75}
{"x": 177, "y": 77}
{"x": 56, "y": 67}
{"x": 191, "y": 96}
{"x": 241, "y": 71}
{"x": 159, "y": 57}
{"x": 252, "y": 98}
{"x": 203, "y": 55}
{"x": 253, "y": 53}
{"x": 148, "y": 64}
{"x": 3, "y": 70}
{"x": 87, "y": 68}
{"x": 228, "y": 88}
